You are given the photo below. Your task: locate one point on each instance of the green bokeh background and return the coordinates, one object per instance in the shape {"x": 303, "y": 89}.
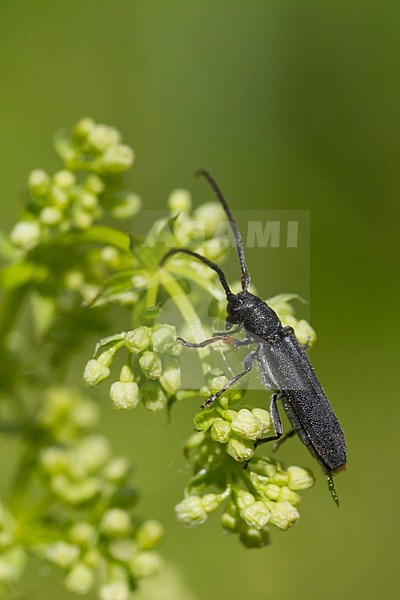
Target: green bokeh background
{"x": 292, "y": 105}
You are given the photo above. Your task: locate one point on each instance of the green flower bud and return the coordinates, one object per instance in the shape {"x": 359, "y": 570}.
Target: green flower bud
{"x": 118, "y": 469}
{"x": 255, "y": 515}
{"x": 211, "y": 215}
{"x": 64, "y": 179}
{"x": 92, "y": 558}
{"x": 217, "y": 383}
{"x": 125, "y": 395}
{"x": 12, "y": 562}
{"x": 97, "y": 369}
{"x": 149, "y": 534}
{"x": 138, "y": 339}
{"x": 211, "y": 502}
{"x": 83, "y": 128}
{"x": 286, "y": 494}
{"x": 180, "y": 201}
{"x": 230, "y": 414}
{"x": 81, "y": 218}
{"x": 38, "y": 182}
{"x": 170, "y": 378}
{"x": 220, "y": 430}
{"x": 153, "y": 396}
{"x": 190, "y": 512}
{"x": 80, "y": 579}
{"x": 102, "y": 136}
{"x": 127, "y": 207}
{"x": 240, "y": 449}
{"x": 117, "y": 590}
{"x": 87, "y": 200}
{"x": 305, "y": 333}
{"x": 122, "y": 550}
{"x": 246, "y": 425}
{"x": 76, "y": 493}
{"x": 116, "y": 159}
{"x": 280, "y": 478}
{"x": 94, "y": 184}
{"x": 146, "y": 564}
{"x": 59, "y": 197}
{"x": 151, "y": 365}
{"x": 54, "y": 460}
{"x": 26, "y": 234}
{"x": 62, "y": 554}
{"x": 284, "y": 515}
{"x": 272, "y": 491}
{"x": 254, "y": 538}
{"x": 93, "y": 452}
{"x": 244, "y": 499}
{"x": 229, "y": 522}
{"x": 299, "y": 478}
{"x": 265, "y": 419}
{"x": 83, "y": 534}
{"x": 51, "y": 215}
{"x": 115, "y": 522}
{"x": 164, "y": 339}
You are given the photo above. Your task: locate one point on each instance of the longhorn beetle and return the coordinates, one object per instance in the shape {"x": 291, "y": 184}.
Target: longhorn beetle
{"x": 282, "y": 362}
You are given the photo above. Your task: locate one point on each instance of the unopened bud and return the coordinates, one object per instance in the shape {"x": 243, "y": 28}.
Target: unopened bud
{"x": 246, "y": 425}
{"x": 80, "y": 579}
{"x": 284, "y": 515}
{"x": 151, "y": 365}
{"x": 256, "y": 515}
{"x": 180, "y": 201}
{"x": 191, "y": 512}
{"x": 220, "y": 430}
{"x": 115, "y": 522}
{"x": 299, "y": 478}
{"x": 138, "y": 339}
{"x": 240, "y": 449}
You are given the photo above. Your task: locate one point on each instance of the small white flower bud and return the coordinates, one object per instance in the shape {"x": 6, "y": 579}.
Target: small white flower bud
{"x": 265, "y": 419}
{"x": 102, "y": 136}
{"x": 299, "y": 478}
{"x": 94, "y": 184}
{"x": 124, "y": 395}
{"x": 92, "y": 453}
{"x": 211, "y": 215}
{"x": 95, "y": 372}
{"x": 122, "y": 550}
{"x": 146, "y": 564}
{"x": 149, "y": 534}
{"x": 127, "y": 207}
{"x": 84, "y": 127}
{"x": 272, "y": 491}
{"x": 64, "y": 178}
{"x": 246, "y": 425}
{"x": 87, "y": 200}
{"x": 180, "y": 201}
{"x": 26, "y": 234}
{"x": 117, "y": 159}
{"x": 284, "y": 515}
{"x": 138, "y": 339}
{"x": 62, "y": 554}
{"x": 117, "y": 469}
{"x": 255, "y": 515}
{"x": 220, "y": 430}
{"x": 51, "y": 215}
{"x": 153, "y": 396}
{"x": 151, "y": 365}
{"x": 81, "y": 217}
{"x": 38, "y": 182}
{"x": 190, "y": 512}
{"x": 229, "y": 522}
{"x": 80, "y": 580}
{"x": 240, "y": 449}
{"x": 82, "y": 533}
{"x": 305, "y": 333}
{"x": 244, "y": 499}
{"x": 116, "y": 590}
{"x": 171, "y": 375}
{"x": 254, "y": 538}
{"x": 115, "y": 522}
{"x": 286, "y": 494}
{"x": 164, "y": 339}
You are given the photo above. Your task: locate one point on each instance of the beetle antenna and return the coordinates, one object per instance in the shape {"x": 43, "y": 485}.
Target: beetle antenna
{"x": 235, "y": 229}
{"x": 206, "y": 261}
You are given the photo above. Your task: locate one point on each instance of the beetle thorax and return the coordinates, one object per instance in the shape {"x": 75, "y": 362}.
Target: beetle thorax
{"x": 254, "y": 314}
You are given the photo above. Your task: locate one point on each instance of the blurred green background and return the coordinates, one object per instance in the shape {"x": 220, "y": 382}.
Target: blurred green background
{"x": 292, "y": 105}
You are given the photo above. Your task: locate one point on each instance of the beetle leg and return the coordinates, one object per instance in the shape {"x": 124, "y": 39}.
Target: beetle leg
{"x": 247, "y": 364}
{"x": 217, "y": 338}
{"x": 276, "y": 421}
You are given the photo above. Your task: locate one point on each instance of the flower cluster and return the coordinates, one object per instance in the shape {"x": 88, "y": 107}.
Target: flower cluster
{"x": 254, "y": 498}
{"x": 93, "y": 529}
{"x": 153, "y": 375}
{"x": 65, "y": 201}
